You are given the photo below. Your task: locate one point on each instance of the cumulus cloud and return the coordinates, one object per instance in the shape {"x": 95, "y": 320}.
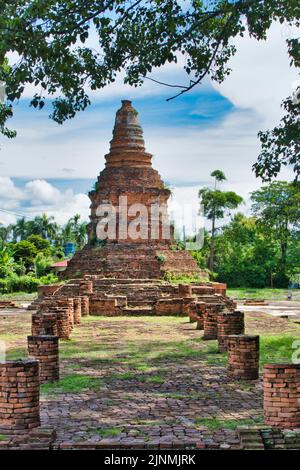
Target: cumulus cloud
{"x": 37, "y": 197}
{"x": 261, "y": 75}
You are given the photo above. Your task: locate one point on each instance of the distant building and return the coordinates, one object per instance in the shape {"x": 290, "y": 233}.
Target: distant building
{"x": 70, "y": 249}
{"x": 60, "y": 266}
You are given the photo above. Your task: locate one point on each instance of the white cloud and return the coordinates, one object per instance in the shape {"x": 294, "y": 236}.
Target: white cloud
{"x": 37, "y": 197}
{"x": 261, "y": 75}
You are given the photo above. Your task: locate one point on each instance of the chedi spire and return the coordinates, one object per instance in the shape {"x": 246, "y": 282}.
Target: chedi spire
{"x": 127, "y": 147}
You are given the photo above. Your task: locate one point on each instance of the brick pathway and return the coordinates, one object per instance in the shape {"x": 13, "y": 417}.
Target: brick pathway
{"x": 154, "y": 384}
{"x": 161, "y": 407}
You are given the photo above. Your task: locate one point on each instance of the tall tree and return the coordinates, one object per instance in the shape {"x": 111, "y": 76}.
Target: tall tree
{"x": 277, "y": 207}
{"x": 44, "y": 226}
{"x": 52, "y": 42}
{"x": 21, "y": 229}
{"x": 216, "y": 205}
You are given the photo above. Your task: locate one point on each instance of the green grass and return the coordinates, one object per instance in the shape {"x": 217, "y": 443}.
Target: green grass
{"x": 276, "y": 348}
{"x": 16, "y": 353}
{"x": 107, "y": 432}
{"x": 158, "y": 378}
{"x": 214, "y": 424}
{"x": 22, "y": 296}
{"x": 3, "y": 438}
{"x": 267, "y": 294}
{"x": 71, "y": 384}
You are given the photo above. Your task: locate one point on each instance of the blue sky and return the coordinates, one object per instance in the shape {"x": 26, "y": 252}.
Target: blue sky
{"x": 50, "y": 168}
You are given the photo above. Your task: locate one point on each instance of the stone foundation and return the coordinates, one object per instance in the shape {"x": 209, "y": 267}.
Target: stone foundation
{"x": 45, "y": 350}
{"x": 229, "y": 323}
{"x": 243, "y": 356}
{"x": 19, "y": 395}
{"x": 282, "y": 395}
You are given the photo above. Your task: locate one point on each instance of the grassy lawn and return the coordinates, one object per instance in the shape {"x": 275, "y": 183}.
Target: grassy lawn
{"x": 267, "y": 294}
{"x": 20, "y": 296}
{"x": 128, "y": 364}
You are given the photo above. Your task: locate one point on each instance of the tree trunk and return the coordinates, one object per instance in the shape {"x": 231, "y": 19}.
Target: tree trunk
{"x": 212, "y": 246}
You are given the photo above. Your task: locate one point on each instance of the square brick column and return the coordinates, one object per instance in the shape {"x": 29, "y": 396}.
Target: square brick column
{"x": 184, "y": 290}
{"x": 86, "y": 287}
{"x": 243, "y": 356}
{"x": 229, "y": 323}
{"x": 45, "y": 350}
{"x": 282, "y": 395}
{"x": 19, "y": 395}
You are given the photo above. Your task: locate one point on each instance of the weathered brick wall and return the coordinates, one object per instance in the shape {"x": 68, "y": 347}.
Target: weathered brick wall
{"x": 47, "y": 290}
{"x": 101, "y": 306}
{"x": 86, "y": 287}
{"x": 282, "y": 395}
{"x": 45, "y": 349}
{"x": 168, "y": 307}
{"x": 19, "y": 395}
{"x": 229, "y": 323}
{"x": 243, "y": 356}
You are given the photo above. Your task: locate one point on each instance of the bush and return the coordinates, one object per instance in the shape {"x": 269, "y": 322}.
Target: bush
{"x": 14, "y": 283}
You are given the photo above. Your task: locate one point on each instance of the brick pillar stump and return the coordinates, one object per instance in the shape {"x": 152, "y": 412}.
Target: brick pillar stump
{"x": 44, "y": 324}
{"x": 185, "y": 290}
{"x": 201, "y": 310}
{"x": 85, "y": 305}
{"x": 210, "y": 323}
{"x": 77, "y": 310}
{"x": 282, "y": 395}
{"x": 19, "y": 395}
{"x": 45, "y": 349}
{"x": 63, "y": 324}
{"x": 243, "y": 356}
{"x": 229, "y": 323}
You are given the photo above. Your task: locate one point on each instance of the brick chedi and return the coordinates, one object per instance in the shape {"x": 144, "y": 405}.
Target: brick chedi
{"x": 128, "y": 180}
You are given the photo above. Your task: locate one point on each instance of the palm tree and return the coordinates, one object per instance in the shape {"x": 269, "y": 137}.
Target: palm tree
{"x": 44, "y": 226}
{"x": 21, "y": 229}
{"x": 5, "y": 233}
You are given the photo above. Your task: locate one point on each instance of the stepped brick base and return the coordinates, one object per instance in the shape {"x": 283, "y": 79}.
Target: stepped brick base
{"x": 131, "y": 261}
{"x": 229, "y": 323}
{"x": 243, "y": 356}
{"x": 19, "y": 395}
{"x": 282, "y": 395}
{"x": 45, "y": 350}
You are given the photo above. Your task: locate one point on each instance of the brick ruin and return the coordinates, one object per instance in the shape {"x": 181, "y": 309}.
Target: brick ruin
{"x": 128, "y": 173}
{"x": 127, "y": 276}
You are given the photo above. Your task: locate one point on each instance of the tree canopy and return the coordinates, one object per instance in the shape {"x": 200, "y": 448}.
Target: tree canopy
{"x": 52, "y": 41}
